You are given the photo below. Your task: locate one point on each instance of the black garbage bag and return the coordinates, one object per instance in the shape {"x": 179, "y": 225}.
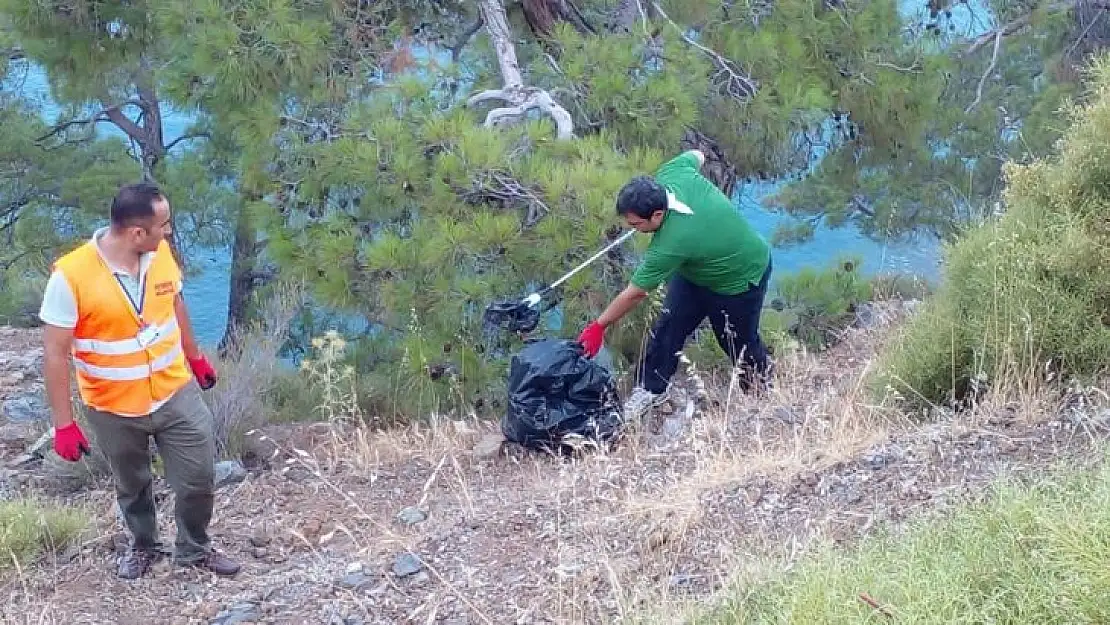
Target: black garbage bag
{"x": 514, "y": 316}
{"x": 559, "y": 399}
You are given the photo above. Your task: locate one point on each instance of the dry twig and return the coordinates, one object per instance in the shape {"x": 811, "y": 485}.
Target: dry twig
{"x": 730, "y": 80}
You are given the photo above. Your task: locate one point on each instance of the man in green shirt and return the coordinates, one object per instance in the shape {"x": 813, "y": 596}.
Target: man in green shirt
{"x": 717, "y": 266}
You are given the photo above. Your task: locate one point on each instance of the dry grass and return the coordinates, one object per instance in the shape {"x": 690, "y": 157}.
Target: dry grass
{"x": 790, "y": 429}
{"x": 623, "y": 520}
{"x": 1033, "y": 554}
{"x": 239, "y": 401}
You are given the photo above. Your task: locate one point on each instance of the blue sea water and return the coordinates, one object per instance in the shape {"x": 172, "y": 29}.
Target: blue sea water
{"x": 207, "y": 289}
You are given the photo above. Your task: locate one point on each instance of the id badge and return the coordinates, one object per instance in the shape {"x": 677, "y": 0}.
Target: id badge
{"x": 148, "y": 336}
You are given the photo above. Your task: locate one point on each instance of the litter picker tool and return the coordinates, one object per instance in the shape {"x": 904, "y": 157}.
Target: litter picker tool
{"x": 524, "y": 315}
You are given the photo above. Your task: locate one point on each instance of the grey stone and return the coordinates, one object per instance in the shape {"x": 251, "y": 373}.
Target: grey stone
{"x": 672, "y": 427}
{"x": 229, "y": 472}
{"x": 489, "y": 446}
{"x": 866, "y": 316}
{"x": 407, "y": 564}
{"x": 18, "y": 434}
{"x": 411, "y": 515}
{"x": 23, "y": 461}
{"x": 260, "y": 538}
{"x": 44, "y": 442}
{"x": 26, "y": 409}
{"x": 238, "y": 613}
{"x": 875, "y": 461}
{"x": 355, "y": 581}
{"x": 679, "y": 580}
{"x": 786, "y": 415}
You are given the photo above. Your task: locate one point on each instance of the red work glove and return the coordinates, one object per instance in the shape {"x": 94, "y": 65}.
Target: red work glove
{"x": 70, "y": 442}
{"x": 592, "y": 338}
{"x": 203, "y": 371}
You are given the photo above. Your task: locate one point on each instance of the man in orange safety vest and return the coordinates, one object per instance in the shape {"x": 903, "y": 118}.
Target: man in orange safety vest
{"x": 114, "y": 305}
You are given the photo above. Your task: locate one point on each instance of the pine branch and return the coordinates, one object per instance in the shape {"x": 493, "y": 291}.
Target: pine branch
{"x": 987, "y": 73}
{"x": 730, "y": 79}
{"x": 101, "y": 116}
{"x": 464, "y": 38}
{"x": 66, "y": 125}
{"x": 115, "y": 115}
{"x": 323, "y": 128}
{"x": 9, "y": 211}
{"x": 187, "y": 137}
{"x": 502, "y": 188}
{"x": 579, "y": 18}
{"x": 8, "y": 263}
{"x": 859, "y": 204}
{"x": 1022, "y": 21}
{"x": 542, "y": 15}
{"x": 519, "y": 98}
{"x": 626, "y": 14}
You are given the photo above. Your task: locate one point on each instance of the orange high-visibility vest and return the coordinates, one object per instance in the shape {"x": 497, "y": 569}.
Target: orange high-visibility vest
{"x": 115, "y": 372}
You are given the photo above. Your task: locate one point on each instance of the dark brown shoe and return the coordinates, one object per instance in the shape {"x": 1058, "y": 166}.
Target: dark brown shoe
{"x": 138, "y": 562}
{"x": 217, "y": 563}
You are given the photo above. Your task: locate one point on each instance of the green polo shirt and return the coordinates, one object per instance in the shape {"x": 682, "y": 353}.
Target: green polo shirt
{"x": 703, "y": 237}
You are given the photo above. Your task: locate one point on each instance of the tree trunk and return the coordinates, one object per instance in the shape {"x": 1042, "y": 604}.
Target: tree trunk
{"x": 497, "y": 25}
{"x": 542, "y": 15}
{"x": 717, "y": 168}
{"x": 241, "y": 289}
{"x": 147, "y": 133}
{"x": 629, "y": 12}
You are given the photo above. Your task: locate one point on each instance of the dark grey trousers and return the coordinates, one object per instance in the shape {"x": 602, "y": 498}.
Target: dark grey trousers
{"x": 183, "y": 430}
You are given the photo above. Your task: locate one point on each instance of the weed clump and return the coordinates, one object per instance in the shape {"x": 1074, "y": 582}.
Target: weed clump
{"x": 1028, "y": 293}
{"x": 28, "y": 529}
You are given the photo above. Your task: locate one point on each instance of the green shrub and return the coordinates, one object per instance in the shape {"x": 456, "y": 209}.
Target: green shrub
{"x": 816, "y": 306}
{"x": 1031, "y": 555}
{"x": 28, "y": 529}
{"x": 19, "y": 300}
{"x": 1027, "y": 294}
{"x": 899, "y": 286}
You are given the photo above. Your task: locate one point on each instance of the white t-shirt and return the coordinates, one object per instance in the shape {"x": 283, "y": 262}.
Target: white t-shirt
{"x": 59, "y": 307}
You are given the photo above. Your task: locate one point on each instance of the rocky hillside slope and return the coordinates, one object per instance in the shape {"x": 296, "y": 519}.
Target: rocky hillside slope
{"x": 441, "y": 524}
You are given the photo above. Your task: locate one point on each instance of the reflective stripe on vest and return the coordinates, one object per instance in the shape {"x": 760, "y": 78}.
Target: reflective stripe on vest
{"x": 125, "y": 374}
{"x": 121, "y": 347}
{"x": 115, "y": 373}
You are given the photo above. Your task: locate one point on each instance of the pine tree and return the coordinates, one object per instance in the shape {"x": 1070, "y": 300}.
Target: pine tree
{"x": 128, "y": 64}
{"x": 410, "y": 193}
{"x": 101, "y": 61}
{"x": 47, "y": 200}
{"x": 421, "y": 203}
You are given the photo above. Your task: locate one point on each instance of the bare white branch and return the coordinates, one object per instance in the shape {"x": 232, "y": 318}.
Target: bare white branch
{"x": 519, "y": 99}
{"x": 987, "y": 73}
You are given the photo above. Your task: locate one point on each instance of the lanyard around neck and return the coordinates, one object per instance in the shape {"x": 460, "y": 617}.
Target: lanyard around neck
{"x": 137, "y": 306}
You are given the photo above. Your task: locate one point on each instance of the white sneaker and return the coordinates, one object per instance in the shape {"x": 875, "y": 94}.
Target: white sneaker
{"x": 641, "y": 401}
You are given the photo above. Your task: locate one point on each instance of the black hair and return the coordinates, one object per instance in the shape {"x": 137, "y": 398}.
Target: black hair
{"x": 641, "y": 196}
{"x": 134, "y": 202}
